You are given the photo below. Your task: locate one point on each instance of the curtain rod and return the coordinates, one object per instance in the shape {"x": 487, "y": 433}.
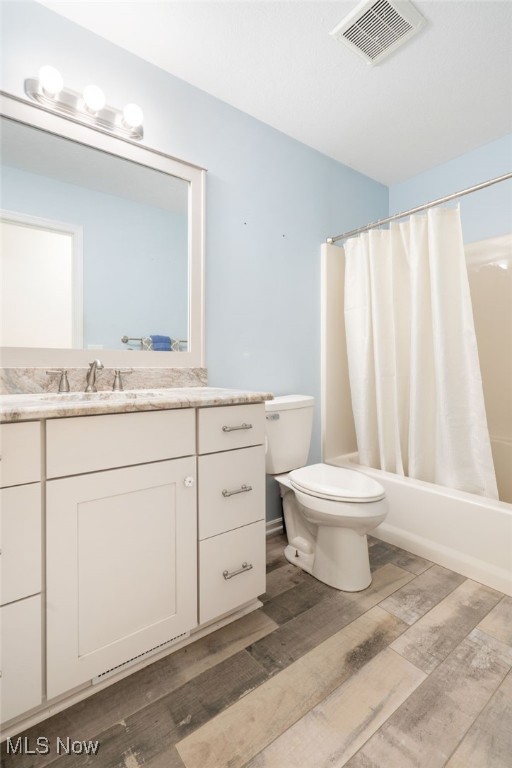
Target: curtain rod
{"x": 490, "y": 182}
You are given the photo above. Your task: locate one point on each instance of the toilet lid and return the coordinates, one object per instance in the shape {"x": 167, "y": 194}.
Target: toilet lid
{"x": 337, "y": 483}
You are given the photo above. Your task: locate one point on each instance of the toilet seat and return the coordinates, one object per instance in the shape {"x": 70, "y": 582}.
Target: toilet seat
{"x": 336, "y": 484}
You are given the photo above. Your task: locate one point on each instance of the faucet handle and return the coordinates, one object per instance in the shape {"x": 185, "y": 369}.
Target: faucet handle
{"x": 117, "y": 386}
{"x": 63, "y": 381}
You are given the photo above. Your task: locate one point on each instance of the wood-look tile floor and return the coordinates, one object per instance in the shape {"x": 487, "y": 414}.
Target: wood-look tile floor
{"x": 414, "y": 671}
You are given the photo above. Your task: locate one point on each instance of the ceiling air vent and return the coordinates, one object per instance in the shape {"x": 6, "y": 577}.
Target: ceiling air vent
{"x": 376, "y": 29}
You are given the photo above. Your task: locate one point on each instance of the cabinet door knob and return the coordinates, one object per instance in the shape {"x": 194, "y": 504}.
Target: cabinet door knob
{"x": 189, "y": 482}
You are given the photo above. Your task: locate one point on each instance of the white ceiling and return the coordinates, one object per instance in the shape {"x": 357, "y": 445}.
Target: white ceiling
{"x": 447, "y": 91}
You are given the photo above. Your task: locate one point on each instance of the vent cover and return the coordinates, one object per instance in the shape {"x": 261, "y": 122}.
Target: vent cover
{"x": 135, "y": 660}
{"x": 376, "y": 29}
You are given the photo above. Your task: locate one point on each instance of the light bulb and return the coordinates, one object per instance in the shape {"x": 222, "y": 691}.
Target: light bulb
{"x": 132, "y": 116}
{"x": 94, "y": 98}
{"x": 51, "y": 81}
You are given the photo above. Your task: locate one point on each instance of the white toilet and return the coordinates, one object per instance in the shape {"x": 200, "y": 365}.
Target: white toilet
{"x": 327, "y": 510}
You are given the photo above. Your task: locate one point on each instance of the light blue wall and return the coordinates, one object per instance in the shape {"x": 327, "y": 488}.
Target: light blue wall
{"x": 271, "y": 201}
{"x": 484, "y": 214}
{"x": 131, "y": 284}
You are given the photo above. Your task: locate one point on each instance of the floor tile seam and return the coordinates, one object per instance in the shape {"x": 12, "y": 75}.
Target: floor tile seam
{"x": 475, "y": 626}
{"x": 404, "y": 703}
{"x": 290, "y": 724}
{"x": 272, "y": 674}
{"x": 427, "y": 674}
{"x": 491, "y": 637}
{"x": 452, "y": 650}
{"x": 449, "y": 594}
{"x": 351, "y": 595}
{"x": 174, "y": 691}
{"x": 501, "y": 600}
{"x": 306, "y": 652}
{"x": 329, "y": 689}
{"x": 322, "y": 599}
{"x": 333, "y": 691}
{"x": 478, "y": 715}
{"x": 160, "y": 700}
{"x": 405, "y": 568}
{"x": 435, "y": 604}
{"x": 299, "y": 587}
{"x": 399, "y": 705}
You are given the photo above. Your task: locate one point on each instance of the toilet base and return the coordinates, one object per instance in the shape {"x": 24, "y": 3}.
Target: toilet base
{"x": 340, "y": 559}
{"x": 300, "y": 559}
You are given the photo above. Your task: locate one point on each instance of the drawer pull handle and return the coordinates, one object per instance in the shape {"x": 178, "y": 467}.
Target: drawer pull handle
{"x": 245, "y": 567}
{"x": 243, "y": 489}
{"x": 234, "y": 429}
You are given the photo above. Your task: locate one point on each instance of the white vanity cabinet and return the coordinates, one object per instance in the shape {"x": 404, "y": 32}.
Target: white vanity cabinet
{"x": 20, "y": 569}
{"x": 121, "y": 543}
{"x": 231, "y": 507}
{"x": 154, "y": 529}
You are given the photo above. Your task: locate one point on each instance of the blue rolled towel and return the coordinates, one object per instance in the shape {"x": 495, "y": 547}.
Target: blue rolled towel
{"x": 161, "y": 343}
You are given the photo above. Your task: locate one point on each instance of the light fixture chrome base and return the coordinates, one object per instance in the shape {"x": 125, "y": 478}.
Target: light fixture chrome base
{"x": 71, "y": 104}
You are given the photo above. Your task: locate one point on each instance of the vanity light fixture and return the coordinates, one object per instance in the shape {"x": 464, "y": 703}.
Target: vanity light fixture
{"x": 89, "y": 107}
{"x": 51, "y": 81}
{"x": 94, "y": 99}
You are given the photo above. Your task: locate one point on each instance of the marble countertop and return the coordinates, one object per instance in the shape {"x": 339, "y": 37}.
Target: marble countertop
{"x": 53, "y": 405}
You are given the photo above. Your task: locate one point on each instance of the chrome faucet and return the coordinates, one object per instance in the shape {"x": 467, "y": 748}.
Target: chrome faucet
{"x": 63, "y": 380}
{"x": 96, "y": 365}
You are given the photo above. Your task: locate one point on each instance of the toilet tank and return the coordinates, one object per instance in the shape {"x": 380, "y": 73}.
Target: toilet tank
{"x": 289, "y": 421}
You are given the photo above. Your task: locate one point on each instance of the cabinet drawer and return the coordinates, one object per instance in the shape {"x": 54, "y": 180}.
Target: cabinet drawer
{"x": 20, "y": 449}
{"x": 92, "y": 443}
{"x": 230, "y": 426}
{"x": 231, "y": 490}
{"x": 20, "y": 657}
{"x": 20, "y": 542}
{"x": 226, "y": 554}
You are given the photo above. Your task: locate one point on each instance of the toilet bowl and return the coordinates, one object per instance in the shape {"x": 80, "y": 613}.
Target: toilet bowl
{"x": 327, "y": 510}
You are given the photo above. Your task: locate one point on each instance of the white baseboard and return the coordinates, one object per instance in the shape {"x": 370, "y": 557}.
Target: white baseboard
{"x": 274, "y": 526}
{"x": 471, "y": 567}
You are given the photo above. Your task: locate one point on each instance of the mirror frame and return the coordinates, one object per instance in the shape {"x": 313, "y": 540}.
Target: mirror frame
{"x": 22, "y": 111}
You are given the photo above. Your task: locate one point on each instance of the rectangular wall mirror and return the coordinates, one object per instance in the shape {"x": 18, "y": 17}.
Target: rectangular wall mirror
{"x": 102, "y": 247}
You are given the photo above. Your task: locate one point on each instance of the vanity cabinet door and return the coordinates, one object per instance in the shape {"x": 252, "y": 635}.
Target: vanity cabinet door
{"x": 20, "y": 542}
{"x": 20, "y": 657}
{"x": 122, "y": 567}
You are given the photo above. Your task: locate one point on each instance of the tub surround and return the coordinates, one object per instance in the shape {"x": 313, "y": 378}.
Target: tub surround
{"x": 27, "y": 381}
{"x": 53, "y": 405}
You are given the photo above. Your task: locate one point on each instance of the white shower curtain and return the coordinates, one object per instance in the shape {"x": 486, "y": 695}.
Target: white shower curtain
{"x": 413, "y": 361}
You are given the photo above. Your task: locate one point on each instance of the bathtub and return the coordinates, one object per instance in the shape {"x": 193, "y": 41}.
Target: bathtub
{"x": 466, "y": 533}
